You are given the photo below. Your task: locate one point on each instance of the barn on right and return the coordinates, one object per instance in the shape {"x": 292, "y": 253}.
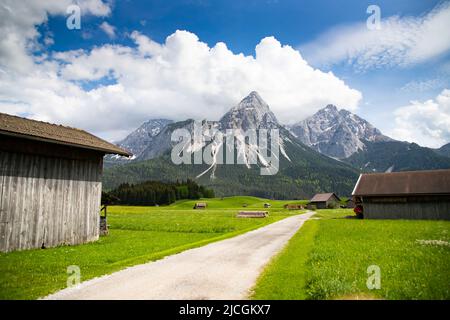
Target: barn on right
{"x": 404, "y": 195}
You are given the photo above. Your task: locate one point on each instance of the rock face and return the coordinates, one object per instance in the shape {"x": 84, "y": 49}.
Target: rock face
{"x": 138, "y": 140}
{"x": 251, "y": 113}
{"x": 336, "y": 133}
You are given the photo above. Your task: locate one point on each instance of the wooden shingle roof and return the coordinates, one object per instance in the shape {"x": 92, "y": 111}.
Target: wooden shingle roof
{"x": 322, "y": 197}
{"x": 53, "y": 133}
{"x": 432, "y": 182}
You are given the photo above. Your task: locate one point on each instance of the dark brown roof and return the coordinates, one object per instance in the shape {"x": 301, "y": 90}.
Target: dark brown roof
{"x": 52, "y": 133}
{"x": 403, "y": 183}
{"x": 322, "y": 197}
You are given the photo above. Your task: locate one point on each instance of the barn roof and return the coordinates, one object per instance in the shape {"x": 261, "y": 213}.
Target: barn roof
{"x": 322, "y": 197}
{"x": 403, "y": 183}
{"x": 53, "y": 133}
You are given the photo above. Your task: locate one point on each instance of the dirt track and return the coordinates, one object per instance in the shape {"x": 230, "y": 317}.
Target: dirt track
{"x": 226, "y": 269}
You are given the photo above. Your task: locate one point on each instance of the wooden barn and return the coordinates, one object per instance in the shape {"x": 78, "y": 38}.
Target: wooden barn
{"x": 404, "y": 195}
{"x": 325, "y": 200}
{"x": 50, "y": 183}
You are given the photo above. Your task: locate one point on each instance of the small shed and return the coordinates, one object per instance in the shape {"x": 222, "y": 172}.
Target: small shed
{"x": 200, "y": 205}
{"x": 404, "y": 195}
{"x": 325, "y": 200}
{"x": 50, "y": 183}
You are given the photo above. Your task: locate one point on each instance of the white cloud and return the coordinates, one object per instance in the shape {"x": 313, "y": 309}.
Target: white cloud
{"x": 402, "y": 41}
{"x": 180, "y": 78}
{"x": 415, "y": 86}
{"x": 18, "y": 21}
{"x": 426, "y": 123}
{"x": 108, "y": 29}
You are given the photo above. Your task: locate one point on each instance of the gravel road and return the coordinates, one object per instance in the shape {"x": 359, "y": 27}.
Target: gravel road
{"x": 225, "y": 269}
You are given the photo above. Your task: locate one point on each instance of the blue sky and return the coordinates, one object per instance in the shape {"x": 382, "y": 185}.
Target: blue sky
{"x": 241, "y": 24}
{"x": 314, "y": 28}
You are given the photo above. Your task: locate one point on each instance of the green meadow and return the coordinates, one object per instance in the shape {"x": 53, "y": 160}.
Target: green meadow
{"x": 137, "y": 235}
{"x": 329, "y": 258}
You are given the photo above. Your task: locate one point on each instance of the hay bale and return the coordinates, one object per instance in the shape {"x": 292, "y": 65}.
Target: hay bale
{"x": 252, "y": 214}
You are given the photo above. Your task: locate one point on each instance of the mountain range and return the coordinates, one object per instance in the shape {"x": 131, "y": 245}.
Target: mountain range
{"x": 336, "y": 133}
{"x": 323, "y": 153}
{"x": 345, "y": 136}
{"x": 444, "y": 150}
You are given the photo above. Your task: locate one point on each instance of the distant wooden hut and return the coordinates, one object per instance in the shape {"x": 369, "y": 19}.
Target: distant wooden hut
{"x": 325, "y": 200}
{"x": 50, "y": 183}
{"x": 200, "y": 205}
{"x": 404, "y": 195}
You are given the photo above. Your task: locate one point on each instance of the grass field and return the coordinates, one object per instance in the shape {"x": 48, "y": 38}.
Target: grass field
{"x": 328, "y": 259}
{"x": 137, "y": 235}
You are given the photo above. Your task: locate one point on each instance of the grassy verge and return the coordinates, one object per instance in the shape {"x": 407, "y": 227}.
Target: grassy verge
{"x": 137, "y": 235}
{"x": 276, "y": 282}
{"x": 329, "y": 258}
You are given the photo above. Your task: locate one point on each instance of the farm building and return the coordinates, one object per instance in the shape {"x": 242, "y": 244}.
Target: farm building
{"x": 404, "y": 195}
{"x": 200, "y": 205}
{"x": 325, "y": 200}
{"x": 50, "y": 183}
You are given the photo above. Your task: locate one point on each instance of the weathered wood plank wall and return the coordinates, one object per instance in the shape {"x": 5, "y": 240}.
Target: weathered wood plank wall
{"x": 48, "y": 200}
{"x": 439, "y": 210}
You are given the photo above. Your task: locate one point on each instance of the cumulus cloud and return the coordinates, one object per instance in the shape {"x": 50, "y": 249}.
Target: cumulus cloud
{"x": 426, "y": 123}
{"x": 108, "y": 29}
{"x": 18, "y": 21}
{"x": 401, "y": 41}
{"x": 111, "y": 89}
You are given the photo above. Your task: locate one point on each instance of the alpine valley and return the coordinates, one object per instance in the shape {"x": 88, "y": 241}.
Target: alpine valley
{"x": 324, "y": 153}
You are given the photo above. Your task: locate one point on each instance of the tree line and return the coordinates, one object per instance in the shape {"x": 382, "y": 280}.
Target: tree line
{"x": 151, "y": 193}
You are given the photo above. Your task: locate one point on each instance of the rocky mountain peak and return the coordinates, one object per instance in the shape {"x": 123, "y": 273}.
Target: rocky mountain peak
{"x": 253, "y": 100}
{"x": 336, "y": 133}
{"x": 251, "y": 113}
{"x": 138, "y": 140}
{"x": 329, "y": 108}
